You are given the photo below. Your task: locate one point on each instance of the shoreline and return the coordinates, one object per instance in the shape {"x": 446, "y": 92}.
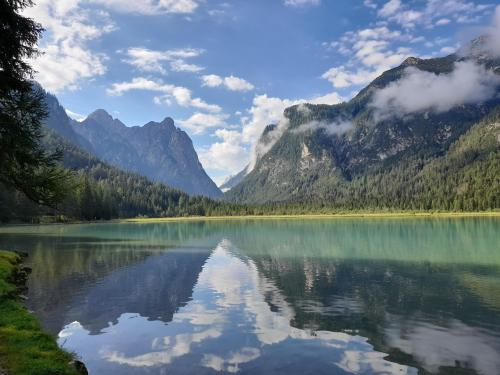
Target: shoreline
{"x": 368, "y": 215}
{"x": 25, "y": 348}
{"x": 338, "y": 216}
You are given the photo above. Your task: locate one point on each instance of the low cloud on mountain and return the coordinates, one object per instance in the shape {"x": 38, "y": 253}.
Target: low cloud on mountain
{"x": 418, "y": 90}
{"x": 331, "y": 128}
{"x": 468, "y": 83}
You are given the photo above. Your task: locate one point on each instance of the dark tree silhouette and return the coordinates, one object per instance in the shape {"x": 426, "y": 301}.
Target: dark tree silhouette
{"x": 24, "y": 164}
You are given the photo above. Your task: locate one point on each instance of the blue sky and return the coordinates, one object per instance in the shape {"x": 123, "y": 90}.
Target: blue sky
{"x": 225, "y": 69}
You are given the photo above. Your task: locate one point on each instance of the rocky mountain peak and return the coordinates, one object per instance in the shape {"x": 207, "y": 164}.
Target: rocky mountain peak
{"x": 100, "y": 115}
{"x": 103, "y": 119}
{"x": 167, "y": 121}
{"x": 411, "y": 61}
{"x": 157, "y": 150}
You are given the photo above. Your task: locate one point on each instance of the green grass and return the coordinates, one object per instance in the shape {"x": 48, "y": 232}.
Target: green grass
{"x": 24, "y": 347}
{"x": 320, "y": 216}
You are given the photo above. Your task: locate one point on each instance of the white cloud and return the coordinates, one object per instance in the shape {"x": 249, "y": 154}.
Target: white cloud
{"x": 231, "y": 154}
{"x": 138, "y": 83}
{"x": 301, "y": 3}
{"x": 264, "y": 111}
{"x": 371, "y": 55}
{"x": 269, "y": 110}
{"x": 433, "y": 12}
{"x": 181, "y": 95}
{"x": 150, "y": 7}
{"x": 370, "y": 4}
{"x": 332, "y": 98}
{"x": 340, "y": 77}
{"x": 212, "y": 80}
{"x": 66, "y": 59}
{"x": 418, "y": 90}
{"x": 75, "y": 116}
{"x": 237, "y": 84}
{"x": 152, "y": 61}
{"x": 442, "y": 21}
{"x": 199, "y": 122}
{"x": 332, "y": 128}
{"x": 390, "y": 8}
{"x": 493, "y": 42}
{"x": 182, "y": 66}
{"x": 232, "y": 83}
{"x": 228, "y": 155}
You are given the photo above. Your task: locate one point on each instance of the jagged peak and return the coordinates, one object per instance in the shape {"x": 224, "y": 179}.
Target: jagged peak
{"x": 167, "y": 122}
{"x": 100, "y": 115}
{"x": 103, "y": 118}
{"x": 411, "y": 61}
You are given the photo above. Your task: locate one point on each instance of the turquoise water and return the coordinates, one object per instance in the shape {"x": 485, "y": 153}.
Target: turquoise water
{"x": 357, "y": 296}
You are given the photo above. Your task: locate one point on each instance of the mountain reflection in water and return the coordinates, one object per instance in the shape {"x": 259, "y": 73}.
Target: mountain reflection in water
{"x": 276, "y": 297}
{"x": 227, "y": 323}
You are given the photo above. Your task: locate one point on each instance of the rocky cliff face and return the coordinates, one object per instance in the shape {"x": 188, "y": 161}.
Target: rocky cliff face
{"x": 159, "y": 151}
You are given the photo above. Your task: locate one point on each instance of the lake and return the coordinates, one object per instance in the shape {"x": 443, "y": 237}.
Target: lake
{"x": 336, "y": 296}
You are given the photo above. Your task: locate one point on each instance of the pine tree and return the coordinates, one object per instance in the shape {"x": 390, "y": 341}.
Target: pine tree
{"x": 24, "y": 164}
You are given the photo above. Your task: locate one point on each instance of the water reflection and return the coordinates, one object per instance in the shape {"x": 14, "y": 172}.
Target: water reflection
{"x": 351, "y": 296}
{"x": 227, "y": 326}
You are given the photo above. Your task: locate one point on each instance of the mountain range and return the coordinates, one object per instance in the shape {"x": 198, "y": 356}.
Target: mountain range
{"x": 400, "y": 143}
{"x": 424, "y": 135}
{"x": 158, "y": 150}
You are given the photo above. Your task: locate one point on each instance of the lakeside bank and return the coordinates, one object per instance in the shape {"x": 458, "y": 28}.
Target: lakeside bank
{"x": 25, "y": 349}
{"x": 344, "y": 215}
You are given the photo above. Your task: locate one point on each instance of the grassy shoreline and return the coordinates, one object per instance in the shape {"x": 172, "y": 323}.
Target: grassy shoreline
{"x": 345, "y": 215}
{"x": 25, "y": 349}
{"x": 340, "y": 215}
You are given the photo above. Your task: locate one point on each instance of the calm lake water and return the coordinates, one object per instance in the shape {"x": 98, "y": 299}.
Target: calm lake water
{"x": 393, "y": 296}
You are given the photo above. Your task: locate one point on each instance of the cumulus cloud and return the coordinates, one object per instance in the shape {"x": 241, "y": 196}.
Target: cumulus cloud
{"x": 181, "y": 95}
{"x": 371, "y": 53}
{"x": 468, "y": 83}
{"x": 150, "y": 7}
{"x": 66, "y": 59}
{"x": 232, "y": 83}
{"x": 341, "y": 77}
{"x": 199, "y": 122}
{"x": 301, "y": 3}
{"x": 264, "y": 111}
{"x": 269, "y": 110}
{"x": 153, "y": 61}
{"x": 237, "y": 84}
{"x": 432, "y": 12}
{"x": 182, "y": 66}
{"x": 390, "y": 8}
{"x": 212, "y": 80}
{"x": 229, "y": 154}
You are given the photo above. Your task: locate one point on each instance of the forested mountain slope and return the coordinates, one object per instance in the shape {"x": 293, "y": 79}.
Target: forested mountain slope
{"x": 101, "y": 191}
{"x": 362, "y": 154}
